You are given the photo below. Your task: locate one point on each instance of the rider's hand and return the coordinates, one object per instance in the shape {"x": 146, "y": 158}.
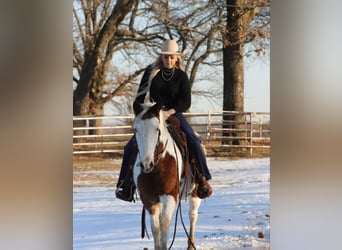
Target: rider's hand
{"x": 169, "y": 112}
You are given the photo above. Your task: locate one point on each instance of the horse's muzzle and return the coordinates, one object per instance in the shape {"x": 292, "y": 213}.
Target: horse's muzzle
{"x": 148, "y": 168}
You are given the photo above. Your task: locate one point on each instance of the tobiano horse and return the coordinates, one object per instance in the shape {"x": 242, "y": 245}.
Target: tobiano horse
{"x": 158, "y": 174}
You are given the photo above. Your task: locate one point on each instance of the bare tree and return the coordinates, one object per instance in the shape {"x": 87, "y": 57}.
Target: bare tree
{"x": 132, "y": 30}
{"x": 102, "y": 32}
{"x": 98, "y": 47}
{"x": 98, "y": 26}
{"x": 96, "y": 79}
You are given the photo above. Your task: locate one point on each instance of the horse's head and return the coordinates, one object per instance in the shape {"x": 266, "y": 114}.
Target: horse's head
{"x": 147, "y": 132}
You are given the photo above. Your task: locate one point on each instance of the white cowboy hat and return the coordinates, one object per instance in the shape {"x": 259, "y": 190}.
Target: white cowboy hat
{"x": 170, "y": 47}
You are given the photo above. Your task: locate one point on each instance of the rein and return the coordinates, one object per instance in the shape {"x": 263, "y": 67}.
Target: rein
{"x": 158, "y": 155}
{"x": 179, "y": 208}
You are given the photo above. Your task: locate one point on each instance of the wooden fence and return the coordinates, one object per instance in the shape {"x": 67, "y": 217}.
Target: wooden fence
{"x": 217, "y": 129}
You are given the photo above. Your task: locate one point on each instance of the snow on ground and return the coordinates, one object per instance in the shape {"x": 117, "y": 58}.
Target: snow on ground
{"x": 231, "y": 218}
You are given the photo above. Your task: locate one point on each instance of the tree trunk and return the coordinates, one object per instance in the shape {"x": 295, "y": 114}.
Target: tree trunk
{"x": 233, "y": 91}
{"x": 233, "y": 70}
{"x": 80, "y": 106}
{"x": 98, "y": 111}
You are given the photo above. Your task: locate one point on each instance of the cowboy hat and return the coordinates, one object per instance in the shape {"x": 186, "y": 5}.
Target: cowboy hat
{"x": 170, "y": 47}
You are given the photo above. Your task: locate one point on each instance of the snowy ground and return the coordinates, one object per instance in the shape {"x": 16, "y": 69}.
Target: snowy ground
{"x": 232, "y": 218}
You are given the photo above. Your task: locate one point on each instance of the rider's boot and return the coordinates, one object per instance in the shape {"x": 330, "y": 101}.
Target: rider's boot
{"x": 125, "y": 191}
{"x": 125, "y": 186}
{"x": 204, "y": 190}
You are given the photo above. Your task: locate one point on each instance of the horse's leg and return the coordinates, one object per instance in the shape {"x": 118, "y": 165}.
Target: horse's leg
{"x": 155, "y": 225}
{"x": 194, "y": 203}
{"x": 168, "y": 208}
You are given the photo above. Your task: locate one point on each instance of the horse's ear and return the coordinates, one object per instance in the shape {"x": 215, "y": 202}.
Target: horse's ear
{"x": 155, "y": 109}
{"x": 137, "y": 107}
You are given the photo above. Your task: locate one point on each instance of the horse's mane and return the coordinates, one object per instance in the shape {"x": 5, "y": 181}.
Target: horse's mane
{"x": 145, "y": 91}
{"x": 147, "y": 105}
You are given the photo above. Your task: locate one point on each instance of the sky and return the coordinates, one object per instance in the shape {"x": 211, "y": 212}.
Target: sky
{"x": 257, "y": 87}
{"x": 257, "y": 90}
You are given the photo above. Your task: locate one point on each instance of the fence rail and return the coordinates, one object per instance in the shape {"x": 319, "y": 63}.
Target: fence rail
{"x": 217, "y": 129}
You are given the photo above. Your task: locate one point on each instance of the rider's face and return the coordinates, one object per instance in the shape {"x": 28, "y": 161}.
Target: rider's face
{"x": 169, "y": 61}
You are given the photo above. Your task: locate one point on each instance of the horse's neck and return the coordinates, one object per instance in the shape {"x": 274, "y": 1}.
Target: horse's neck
{"x": 168, "y": 141}
{"x": 166, "y": 137}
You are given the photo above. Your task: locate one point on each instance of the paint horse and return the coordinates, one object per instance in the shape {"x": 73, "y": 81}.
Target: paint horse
{"x": 158, "y": 174}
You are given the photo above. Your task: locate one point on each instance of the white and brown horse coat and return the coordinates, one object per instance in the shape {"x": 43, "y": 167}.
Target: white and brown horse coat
{"x": 158, "y": 173}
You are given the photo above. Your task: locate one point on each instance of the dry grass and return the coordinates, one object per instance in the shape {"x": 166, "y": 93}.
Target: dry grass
{"x": 237, "y": 153}
{"x": 103, "y": 170}
{"x": 101, "y": 163}
{"x": 95, "y": 171}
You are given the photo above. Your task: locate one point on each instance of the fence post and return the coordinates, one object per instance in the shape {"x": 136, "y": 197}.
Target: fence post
{"x": 251, "y": 134}
{"x": 209, "y": 127}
